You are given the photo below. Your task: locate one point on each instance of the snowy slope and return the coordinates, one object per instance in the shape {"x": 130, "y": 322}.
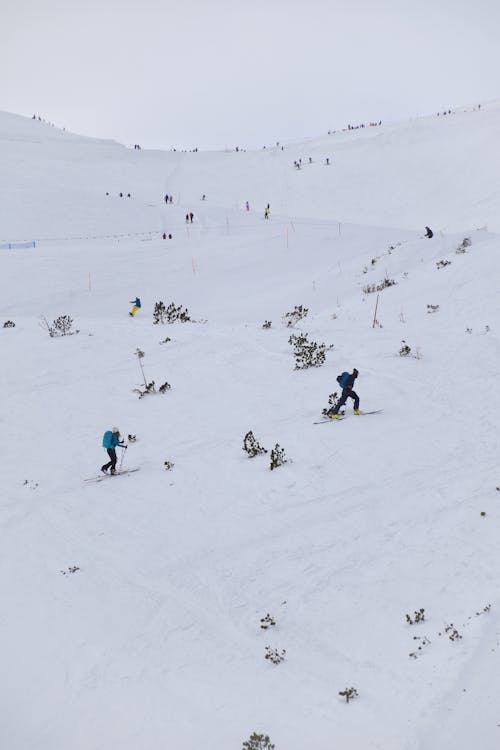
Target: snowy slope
{"x": 155, "y": 641}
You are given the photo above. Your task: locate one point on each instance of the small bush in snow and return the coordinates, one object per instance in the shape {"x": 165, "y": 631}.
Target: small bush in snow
{"x": 267, "y": 622}
{"x": 432, "y": 308}
{"x": 278, "y": 457}
{"x": 462, "y": 248}
{"x": 298, "y": 313}
{"x": 443, "y": 263}
{"x": 418, "y": 616}
{"x": 132, "y": 438}
{"x": 165, "y": 341}
{"x": 169, "y": 465}
{"x": 258, "y": 742}
{"x": 369, "y": 288}
{"x": 349, "y": 694}
{"x": 30, "y": 483}
{"x": 61, "y": 326}
{"x": 332, "y": 403}
{"x": 266, "y": 324}
{"x": 452, "y": 633}
{"x": 275, "y": 656}
{"x": 9, "y": 324}
{"x": 71, "y": 569}
{"x": 424, "y": 641}
{"x": 307, "y": 353}
{"x": 170, "y": 314}
{"x": 405, "y": 350}
{"x": 148, "y": 388}
{"x": 251, "y": 446}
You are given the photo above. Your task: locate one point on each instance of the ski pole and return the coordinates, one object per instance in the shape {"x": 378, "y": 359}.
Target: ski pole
{"x": 121, "y": 460}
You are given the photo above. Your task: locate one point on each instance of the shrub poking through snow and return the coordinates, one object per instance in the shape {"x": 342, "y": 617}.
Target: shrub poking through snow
{"x": 443, "y": 264}
{"x": 9, "y": 324}
{"x": 166, "y": 340}
{"x": 169, "y": 465}
{"x": 307, "y": 353}
{"x": 332, "y": 403}
{"x": 132, "y": 438}
{"x": 418, "y": 616}
{"x": 61, "y": 326}
{"x": 170, "y": 314}
{"x": 349, "y": 694}
{"x": 267, "y": 622}
{"x": 148, "y": 387}
{"x": 266, "y": 324}
{"x": 258, "y": 742}
{"x": 278, "y": 457}
{"x": 405, "y": 350}
{"x": 462, "y": 248}
{"x": 370, "y": 288}
{"x": 452, "y": 632}
{"x": 275, "y": 656}
{"x": 251, "y": 446}
{"x": 298, "y": 313}
{"x": 71, "y": 569}
{"x": 424, "y": 641}
{"x": 432, "y": 308}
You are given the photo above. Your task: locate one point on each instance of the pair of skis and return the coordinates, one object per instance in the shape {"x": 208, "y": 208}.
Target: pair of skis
{"x": 339, "y": 419}
{"x": 108, "y": 476}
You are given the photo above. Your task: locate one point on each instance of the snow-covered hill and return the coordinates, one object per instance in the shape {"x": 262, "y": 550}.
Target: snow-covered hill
{"x": 155, "y": 640}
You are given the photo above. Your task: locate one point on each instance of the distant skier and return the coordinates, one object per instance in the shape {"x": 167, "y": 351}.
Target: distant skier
{"x": 266, "y": 212}
{"x": 111, "y": 439}
{"x": 346, "y": 382}
{"x": 191, "y": 216}
{"x": 136, "y": 306}
{"x": 187, "y": 218}
{"x": 247, "y": 206}
{"x": 166, "y": 199}
{"x": 428, "y": 232}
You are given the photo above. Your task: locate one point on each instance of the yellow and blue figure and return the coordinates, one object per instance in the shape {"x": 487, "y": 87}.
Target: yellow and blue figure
{"x": 136, "y": 306}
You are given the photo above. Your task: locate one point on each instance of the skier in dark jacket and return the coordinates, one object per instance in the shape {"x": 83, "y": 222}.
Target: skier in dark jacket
{"x": 429, "y": 233}
{"x": 111, "y": 439}
{"x": 346, "y": 380}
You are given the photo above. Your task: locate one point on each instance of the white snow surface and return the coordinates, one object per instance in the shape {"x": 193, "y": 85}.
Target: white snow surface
{"x": 155, "y": 641}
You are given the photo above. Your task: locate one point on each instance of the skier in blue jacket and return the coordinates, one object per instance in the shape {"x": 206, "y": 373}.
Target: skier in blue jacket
{"x": 346, "y": 381}
{"x": 111, "y": 439}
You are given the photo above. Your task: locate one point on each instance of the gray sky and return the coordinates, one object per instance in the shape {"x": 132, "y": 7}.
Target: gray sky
{"x": 227, "y": 72}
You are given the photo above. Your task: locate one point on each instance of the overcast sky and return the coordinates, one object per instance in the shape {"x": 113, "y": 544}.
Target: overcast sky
{"x": 227, "y": 72}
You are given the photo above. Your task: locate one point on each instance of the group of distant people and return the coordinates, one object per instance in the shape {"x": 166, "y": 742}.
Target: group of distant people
{"x": 169, "y": 199}
{"x": 122, "y": 195}
{"x": 298, "y": 164}
{"x": 137, "y": 147}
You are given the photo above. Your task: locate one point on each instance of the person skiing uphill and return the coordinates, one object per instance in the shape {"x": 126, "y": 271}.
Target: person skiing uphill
{"x": 136, "y": 306}
{"x": 346, "y": 382}
{"x": 111, "y": 439}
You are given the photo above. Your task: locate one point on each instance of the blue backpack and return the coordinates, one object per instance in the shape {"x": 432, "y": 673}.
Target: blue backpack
{"x": 342, "y": 379}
